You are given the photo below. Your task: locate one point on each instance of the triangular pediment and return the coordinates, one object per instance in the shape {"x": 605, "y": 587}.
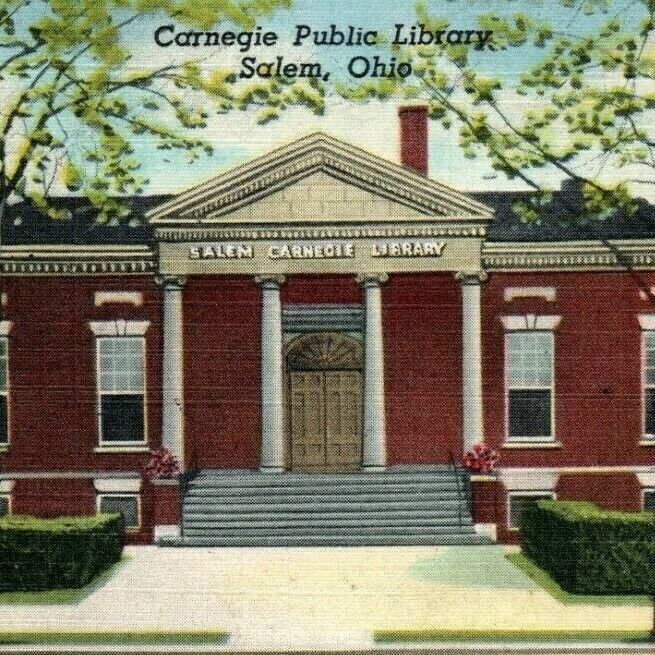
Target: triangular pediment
{"x": 317, "y": 179}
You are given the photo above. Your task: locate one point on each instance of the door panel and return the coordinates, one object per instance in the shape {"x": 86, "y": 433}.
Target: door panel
{"x": 343, "y": 413}
{"x": 307, "y": 419}
{"x": 326, "y": 416}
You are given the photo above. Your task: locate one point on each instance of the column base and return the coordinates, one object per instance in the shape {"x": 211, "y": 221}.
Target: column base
{"x": 374, "y": 468}
{"x": 272, "y": 469}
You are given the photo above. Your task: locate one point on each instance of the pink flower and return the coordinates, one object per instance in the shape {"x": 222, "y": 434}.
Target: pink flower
{"x": 162, "y": 464}
{"x": 480, "y": 459}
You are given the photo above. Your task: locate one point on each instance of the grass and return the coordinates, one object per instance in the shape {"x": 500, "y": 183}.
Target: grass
{"x": 543, "y": 579}
{"x": 60, "y": 596}
{"x": 481, "y": 635}
{"x": 81, "y": 638}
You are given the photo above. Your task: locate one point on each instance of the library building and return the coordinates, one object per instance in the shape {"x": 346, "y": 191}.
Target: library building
{"x": 312, "y": 341}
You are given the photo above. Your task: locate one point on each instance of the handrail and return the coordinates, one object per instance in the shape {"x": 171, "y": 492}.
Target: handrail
{"x": 458, "y": 482}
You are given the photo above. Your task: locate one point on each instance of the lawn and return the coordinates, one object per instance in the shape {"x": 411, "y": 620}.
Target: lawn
{"x": 543, "y": 579}
{"x": 80, "y": 638}
{"x": 60, "y": 596}
{"x": 554, "y": 636}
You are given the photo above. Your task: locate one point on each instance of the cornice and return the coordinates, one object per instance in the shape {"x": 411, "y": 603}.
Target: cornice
{"x": 569, "y": 255}
{"x": 317, "y": 152}
{"x": 76, "y": 260}
{"x": 324, "y": 232}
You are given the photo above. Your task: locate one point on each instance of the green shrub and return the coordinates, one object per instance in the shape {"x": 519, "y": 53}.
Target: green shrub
{"x": 588, "y": 550}
{"x": 61, "y": 553}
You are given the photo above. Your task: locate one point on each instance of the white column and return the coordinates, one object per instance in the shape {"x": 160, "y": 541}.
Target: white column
{"x": 172, "y": 394}
{"x": 374, "y": 447}
{"x": 272, "y": 409}
{"x": 472, "y": 430}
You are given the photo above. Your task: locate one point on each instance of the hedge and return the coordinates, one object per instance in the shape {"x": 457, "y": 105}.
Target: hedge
{"x": 588, "y": 550}
{"x": 61, "y": 553}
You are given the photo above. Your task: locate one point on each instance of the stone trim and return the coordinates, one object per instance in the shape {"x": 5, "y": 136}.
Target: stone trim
{"x": 647, "y": 321}
{"x": 547, "y": 293}
{"x": 119, "y": 328}
{"x": 646, "y": 478}
{"x": 117, "y": 485}
{"x": 66, "y": 475}
{"x": 5, "y": 328}
{"x": 513, "y": 323}
{"x": 101, "y": 298}
{"x": 76, "y": 260}
{"x": 568, "y": 255}
{"x": 7, "y": 486}
{"x": 3, "y": 299}
{"x": 330, "y": 232}
{"x": 529, "y": 479}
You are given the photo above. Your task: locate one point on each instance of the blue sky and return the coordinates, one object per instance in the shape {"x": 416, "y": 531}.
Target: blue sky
{"x": 236, "y": 137}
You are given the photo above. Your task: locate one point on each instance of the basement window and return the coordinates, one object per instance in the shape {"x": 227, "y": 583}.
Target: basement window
{"x": 4, "y": 504}
{"x": 127, "y": 505}
{"x": 648, "y": 500}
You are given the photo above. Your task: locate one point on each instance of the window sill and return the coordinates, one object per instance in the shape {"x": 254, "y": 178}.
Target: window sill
{"x": 122, "y": 449}
{"x": 536, "y": 445}
{"x": 4, "y": 447}
{"x": 647, "y": 442}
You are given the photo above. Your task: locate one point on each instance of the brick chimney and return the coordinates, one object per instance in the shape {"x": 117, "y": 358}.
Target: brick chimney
{"x": 413, "y": 121}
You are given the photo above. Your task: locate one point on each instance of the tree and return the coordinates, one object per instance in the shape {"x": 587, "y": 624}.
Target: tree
{"x": 589, "y": 100}
{"x": 66, "y": 67}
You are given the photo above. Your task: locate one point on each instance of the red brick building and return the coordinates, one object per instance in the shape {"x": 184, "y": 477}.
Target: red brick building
{"x": 316, "y": 324}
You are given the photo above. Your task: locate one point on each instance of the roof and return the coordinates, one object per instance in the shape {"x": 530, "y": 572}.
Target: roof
{"x": 219, "y": 199}
{"x": 25, "y": 225}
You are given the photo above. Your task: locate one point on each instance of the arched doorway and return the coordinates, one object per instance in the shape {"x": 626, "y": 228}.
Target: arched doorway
{"x": 325, "y": 402}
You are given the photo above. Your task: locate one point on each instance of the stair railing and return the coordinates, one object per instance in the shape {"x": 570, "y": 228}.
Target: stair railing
{"x": 461, "y": 498}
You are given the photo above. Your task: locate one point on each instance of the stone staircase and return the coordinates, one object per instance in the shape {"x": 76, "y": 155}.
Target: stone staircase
{"x": 418, "y": 505}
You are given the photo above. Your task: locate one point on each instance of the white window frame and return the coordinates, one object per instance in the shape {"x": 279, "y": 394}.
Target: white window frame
{"x": 534, "y": 493}
{"x": 645, "y": 435}
{"x": 118, "y": 445}
{"x": 523, "y": 439}
{"x": 118, "y": 494}
{"x": 4, "y": 445}
{"x": 8, "y": 497}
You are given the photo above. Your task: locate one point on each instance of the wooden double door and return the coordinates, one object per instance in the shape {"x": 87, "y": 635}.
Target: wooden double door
{"x": 325, "y": 406}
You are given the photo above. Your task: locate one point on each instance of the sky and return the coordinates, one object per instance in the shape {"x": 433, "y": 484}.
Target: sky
{"x": 236, "y": 137}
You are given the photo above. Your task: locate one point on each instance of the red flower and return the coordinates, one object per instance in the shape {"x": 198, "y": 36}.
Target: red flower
{"x": 480, "y": 459}
{"x": 162, "y": 464}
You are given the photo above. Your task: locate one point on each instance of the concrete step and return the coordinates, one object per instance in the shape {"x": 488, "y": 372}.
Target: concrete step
{"x": 263, "y": 541}
{"x": 318, "y": 500}
{"x": 284, "y": 513}
{"x": 255, "y": 479}
{"x": 342, "y": 531}
{"x": 413, "y": 486}
{"x": 202, "y": 522}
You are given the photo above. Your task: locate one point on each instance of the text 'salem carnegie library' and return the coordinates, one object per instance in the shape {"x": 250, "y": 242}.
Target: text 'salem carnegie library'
{"x": 358, "y": 67}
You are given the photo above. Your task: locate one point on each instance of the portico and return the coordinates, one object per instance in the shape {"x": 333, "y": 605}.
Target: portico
{"x": 320, "y": 207}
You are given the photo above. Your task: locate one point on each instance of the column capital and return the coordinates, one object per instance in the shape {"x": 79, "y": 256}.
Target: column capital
{"x": 171, "y": 281}
{"x": 269, "y": 281}
{"x": 371, "y": 279}
{"x": 471, "y": 277}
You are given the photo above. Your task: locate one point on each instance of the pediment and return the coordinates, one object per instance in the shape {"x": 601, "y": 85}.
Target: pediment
{"x": 317, "y": 179}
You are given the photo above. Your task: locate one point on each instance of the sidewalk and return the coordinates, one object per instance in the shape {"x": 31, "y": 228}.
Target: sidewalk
{"x": 318, "y": 598}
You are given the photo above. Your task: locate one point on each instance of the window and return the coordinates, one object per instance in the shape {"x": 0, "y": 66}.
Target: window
{"x": 648, "y": 500}
{"x": 4, "y": 504}
{"x": 121, "y": 390}
{"x": 127, "y": 505}
{"x": 517, "y": 501}
{"x": 649, "y": 382}
{"x": 529, "y": 374}
{"x": 4, "y": 391}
